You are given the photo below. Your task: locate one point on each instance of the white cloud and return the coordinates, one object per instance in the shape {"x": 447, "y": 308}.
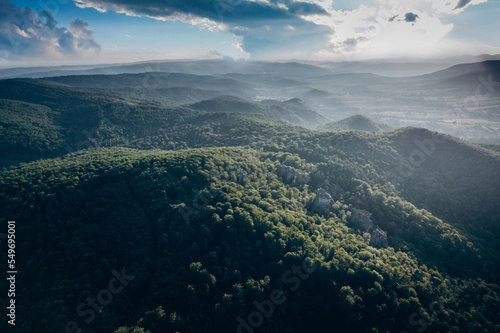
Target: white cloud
{"x": 238, "y": 45}
{"x": 378, "y": 28}
{"x": 20, "y": 32}
{"x": 401, "y": 38}
{"x": 25, "y": 33}
{"x": 453, "y": 6}
{"x": 91, "y": 4}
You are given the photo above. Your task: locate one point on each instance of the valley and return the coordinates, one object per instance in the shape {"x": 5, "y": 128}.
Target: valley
{"x": 288, "y": 199}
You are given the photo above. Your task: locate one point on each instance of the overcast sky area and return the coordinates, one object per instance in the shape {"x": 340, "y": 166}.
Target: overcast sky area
{"x": 54, "y": 32}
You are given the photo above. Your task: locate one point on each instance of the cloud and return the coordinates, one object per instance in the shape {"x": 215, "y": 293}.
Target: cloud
{"x": 462, "y": 3}
{"x": 83, "y": 35}
{"x": 306, "y": 8}
{"x": 259, "y": 25}
{"x": 452, "y": 6}
{"x": 24, "y": 33}
{"x": 392, "y": 18}
{"x": 400, "y": 39}
{"x": 379, "y": 28}
{"x": 298, "y": 28}
{"x": 411, "y": 17}
{"x": 350, "y": 44}
{"x": 215, "y": 53}
{"x": 214, "y": 11}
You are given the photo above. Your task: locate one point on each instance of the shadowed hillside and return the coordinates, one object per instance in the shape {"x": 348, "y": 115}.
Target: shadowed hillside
{"x": 354, "y": 123}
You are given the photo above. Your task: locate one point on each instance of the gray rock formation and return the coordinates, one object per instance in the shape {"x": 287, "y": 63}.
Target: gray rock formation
{"x": 361, "y": 222}
{"x": 436, "y": 281}
{"x": 302, "y": 178}
{"x": 379, "y": 238}
{"x": 323, "y": 202}
{"x": 292, "y": 176}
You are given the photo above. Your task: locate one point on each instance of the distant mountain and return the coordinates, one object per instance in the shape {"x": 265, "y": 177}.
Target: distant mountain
{"x": 37, "y": 72}
{"x": 357, "y": 79}
{"x": 197, "y": 67}
{"x": 403, "y": 67}
{"x": 267, "y": 80}
{"x": 466, "y": 70}
{"x": 174, "y": 88}
{"x": 391, "y": 69}
{"x": 354, "y": 123}
{"x": 152, "y": 80}
{"x": 292, "y": 69}
{"x": 284, "y": 69}
{"x": 413, "y": 101}
{"x": 227, "y": 104}
{"x": 316, "y": 94}
{"x": 294, "y": 111}
{"x": 54, "y": 119}
{"x": 475, "y": 78}
{"x": 287, "y": 69}
{"x": 470, "y": 58}
{"x": 173, "y": 96}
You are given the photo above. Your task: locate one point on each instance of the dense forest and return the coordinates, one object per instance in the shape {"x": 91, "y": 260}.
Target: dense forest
{"x": 212, "y": 213}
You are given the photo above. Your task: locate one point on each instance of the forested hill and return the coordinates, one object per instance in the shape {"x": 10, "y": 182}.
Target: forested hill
{"x": 354, "y": 123}
{"x": 211, "y": 206}
{"x": 205, "y": 234}
{"x": 293, "y": 111}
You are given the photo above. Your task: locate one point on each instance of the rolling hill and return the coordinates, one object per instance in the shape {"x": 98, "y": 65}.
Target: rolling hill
{"x": 215, "y": 231}
{"x": 293, "y": 111}
{"x": 224, "y": 215}
{"x": 354, "y": 123}
{"x": 489, "y": 66}
{"x": 480, "y": 78}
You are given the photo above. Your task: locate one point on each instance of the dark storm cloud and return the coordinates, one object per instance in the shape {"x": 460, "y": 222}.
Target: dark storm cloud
{"x": 215, "y": 10}
{"x": 411, "y": 17}
{"x": 257, "y": 24}
{"x": 462, "y": 3}
{"x": 301, "y": 8}
{"x": 26, "y": 33}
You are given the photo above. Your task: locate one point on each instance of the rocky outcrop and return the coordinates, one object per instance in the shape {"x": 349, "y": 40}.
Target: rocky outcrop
{"x": 379, "y": 238}
{"x": 436, "y": 281}
{"x": 323, "y": 203}
{"x": 292, "y": 176}
{"x": 302, "y": 178}
{"x": 361, "y": 222}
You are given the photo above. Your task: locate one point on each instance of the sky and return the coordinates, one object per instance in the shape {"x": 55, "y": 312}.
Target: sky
{"x": 56, "y": 32}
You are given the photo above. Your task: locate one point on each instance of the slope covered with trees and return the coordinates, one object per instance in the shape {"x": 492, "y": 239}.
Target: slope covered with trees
{"x": 208, "y": 235}
{"x": 224, "y": 216}
{"x": 354, "y": 123}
